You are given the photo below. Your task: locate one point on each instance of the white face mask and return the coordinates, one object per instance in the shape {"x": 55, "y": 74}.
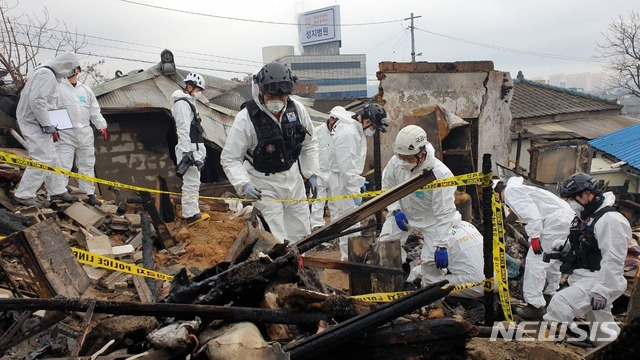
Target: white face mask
{"x": 200, "y": 96}
{"x": 369, "y": 131}
{"x": 275, "y": 106}
{"x": 576, "y": 206}
{"x": 405, "y": 165}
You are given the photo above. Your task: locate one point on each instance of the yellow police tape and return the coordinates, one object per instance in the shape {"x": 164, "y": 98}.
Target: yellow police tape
{"x": 460, "y": 180}
{"x": 391, "y": 296}
{"x": 500, "y": 258}
{"x": 89, "y": 258}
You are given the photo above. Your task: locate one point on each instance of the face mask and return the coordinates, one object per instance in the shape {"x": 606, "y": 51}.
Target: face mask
{"x": 275, "y": 106}
{"x": 576, "y": 206}
{"x": 369, "y": 131}
{"x": 200, "y": 96}
{"x": 405, "y": 165}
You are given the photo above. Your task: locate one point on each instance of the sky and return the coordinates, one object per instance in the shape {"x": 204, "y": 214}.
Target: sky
{"x": 228, "y": 48}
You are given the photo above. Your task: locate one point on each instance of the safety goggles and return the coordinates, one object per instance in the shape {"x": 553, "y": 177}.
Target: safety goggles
{"x": 278, "y": 88}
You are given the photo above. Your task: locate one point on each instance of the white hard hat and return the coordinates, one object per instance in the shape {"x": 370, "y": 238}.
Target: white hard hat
{"x": 340, "y": 113}
{"x": 409, "y": 140}
{"x": 196, "y": 79}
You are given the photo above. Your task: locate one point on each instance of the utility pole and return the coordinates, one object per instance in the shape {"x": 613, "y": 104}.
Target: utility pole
{"x": 413, "y": 39}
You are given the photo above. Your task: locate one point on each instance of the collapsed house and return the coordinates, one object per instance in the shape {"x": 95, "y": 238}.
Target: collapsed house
{"x": 554, "y": 125}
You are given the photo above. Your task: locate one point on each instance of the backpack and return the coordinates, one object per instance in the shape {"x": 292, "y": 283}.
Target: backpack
{"x": 9, "y": 103}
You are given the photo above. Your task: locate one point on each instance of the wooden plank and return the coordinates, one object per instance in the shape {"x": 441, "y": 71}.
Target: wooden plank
{"x": 387, "y": 254}
{"x": 55, "y": 258}
{"x": 359, "y": 248}
{"x": 350, "y": 266}
{"x": 85, "y": 328}
{"x": 143, "y": 290}
{"x": 633, "y": 309}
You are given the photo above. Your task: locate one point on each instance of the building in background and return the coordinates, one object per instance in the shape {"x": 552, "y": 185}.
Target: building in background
{"x": 582, "y": 82}
{"x": 321, "y": 65}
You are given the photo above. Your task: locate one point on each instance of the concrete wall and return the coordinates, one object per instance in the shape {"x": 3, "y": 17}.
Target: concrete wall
{"x": 472, "y": 90}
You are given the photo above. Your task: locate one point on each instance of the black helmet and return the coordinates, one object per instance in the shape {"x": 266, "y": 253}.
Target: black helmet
{"x": 275, "y": 79}
{"x": 576, "y": 184}
{"x": 377, "y": 115}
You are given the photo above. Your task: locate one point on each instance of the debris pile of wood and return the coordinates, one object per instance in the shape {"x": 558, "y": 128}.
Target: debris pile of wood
{"x": 262, "y": 301}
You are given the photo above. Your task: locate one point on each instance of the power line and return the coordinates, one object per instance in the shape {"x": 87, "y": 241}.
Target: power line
{"x": 139, "y": 60}
{"x": 380, "y": 44}
{"x": 150, "y": 46}
{"x": 154, "y": 52}
{"x": 504, "y": 48}
{"x": 249, "y": 20}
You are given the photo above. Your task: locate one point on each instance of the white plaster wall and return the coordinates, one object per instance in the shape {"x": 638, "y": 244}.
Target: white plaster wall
{"x": 462, "y": 93}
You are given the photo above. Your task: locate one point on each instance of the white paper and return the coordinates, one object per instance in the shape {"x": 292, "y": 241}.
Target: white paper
{"x": 60, "y": 119}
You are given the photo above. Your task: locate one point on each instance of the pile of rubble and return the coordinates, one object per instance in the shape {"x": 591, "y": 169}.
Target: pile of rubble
{"x": 234, "y": 291}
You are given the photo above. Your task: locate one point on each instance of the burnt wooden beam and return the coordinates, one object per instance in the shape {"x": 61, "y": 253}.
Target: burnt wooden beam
{"x": 436, "y": 338}
{"x": 180, "y": 311}
{"x": 165, "y": 239}
{"x": 350, "y": 266}
{"x": 356, "y": 327}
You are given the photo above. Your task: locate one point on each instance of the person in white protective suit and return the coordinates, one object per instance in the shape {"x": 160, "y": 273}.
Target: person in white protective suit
{"x": 599, "y": 245}
{"x": 270, "y": 147}
{"x": 77, "y": 142}
{"x": 452, "y": 248}
{"x": 548, "y": 219}
{"x": 39, "y": 95}
{"x": 190, "y": 150}
{"x": 343, "y": 149}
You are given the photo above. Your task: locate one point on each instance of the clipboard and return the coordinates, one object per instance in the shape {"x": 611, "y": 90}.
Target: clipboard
{"x": 60, "y": 119}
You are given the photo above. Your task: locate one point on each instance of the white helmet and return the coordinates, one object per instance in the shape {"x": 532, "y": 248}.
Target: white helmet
{"x": 340, "y": 113}
{"x": 196, "y": 79}
{"x": 409, "y": 140}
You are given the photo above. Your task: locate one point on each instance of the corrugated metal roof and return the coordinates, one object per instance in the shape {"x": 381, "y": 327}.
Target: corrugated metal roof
{"x": 149, "y": 90}
{"x": 623, "y": 144}
{"x": 531, "y": 99}
{"x": 588, "y": 128}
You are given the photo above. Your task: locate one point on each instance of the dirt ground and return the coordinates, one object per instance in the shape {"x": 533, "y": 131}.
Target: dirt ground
{"x": 484, "y": 349}
{"x": 207, "y": 242}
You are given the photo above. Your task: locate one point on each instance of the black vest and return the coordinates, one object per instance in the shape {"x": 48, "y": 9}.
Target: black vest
{"x": 196, "y": 132}
{"x": 585, "y": 252}
{"x": 279, "y": 145}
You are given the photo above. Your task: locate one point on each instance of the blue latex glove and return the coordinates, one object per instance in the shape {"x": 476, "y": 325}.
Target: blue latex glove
{"x": 401, "y": 220}
{"x": 442, "y": 258}
{"x": 358, "y": 201}
{"x": 251, "y": 192}
{"x": 313, "y": 186}
{"x": 598, "y": 302}
{"x": 364, "y": 186}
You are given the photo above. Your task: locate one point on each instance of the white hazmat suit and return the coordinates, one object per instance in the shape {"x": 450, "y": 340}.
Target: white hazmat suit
{"x": 548, "y": 218}
{"x": 287, "y": 220}
{"x": 39, "y": 95}
{"x": 341, "y": 158}
{"x": 83, "y": 109}
{"x": 613, "y": 233}
{"x": 434, "y": 214}
{"x": 183, "y": 116}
